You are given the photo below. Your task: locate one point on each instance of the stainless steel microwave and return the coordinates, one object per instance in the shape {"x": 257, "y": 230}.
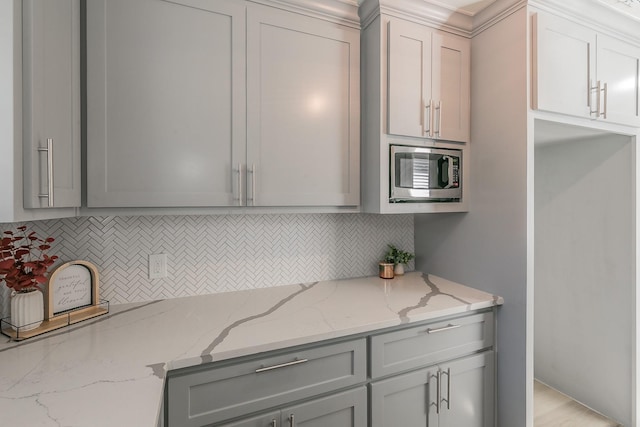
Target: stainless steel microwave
{"x": 419, "y": 174}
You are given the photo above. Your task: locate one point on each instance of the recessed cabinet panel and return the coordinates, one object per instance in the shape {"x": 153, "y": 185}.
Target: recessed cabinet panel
{"x": 51, "y": 68}
{"x": 410, "y": 80}
{"x": 469, "y": 393}
{"x": 303, "y": 115}
{"x": 429, "y": 84}
{"x": 348, "y": 409}
{"x": 580, "y": 72}
{"x": 404, "y": 400}
{"x": 265, "y": 420}
{"x": 451, "y": 87}
{"x": 165, "y": 111}
{"x": 411, "y": 348}
{"x": 563, "y": 65}
{"x": 216, "y": 394}
{"x": 619, "y": 67}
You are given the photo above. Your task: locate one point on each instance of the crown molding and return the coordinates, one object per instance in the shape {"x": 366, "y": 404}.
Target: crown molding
{"x": 343, "y": 12}
{"x": 596, "y": 14}
{"x": 424, "y": 12}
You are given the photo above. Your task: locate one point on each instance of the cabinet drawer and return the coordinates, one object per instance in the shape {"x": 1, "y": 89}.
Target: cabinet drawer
{"x": 428, "y": 344}
{"x": 212, "y": 395}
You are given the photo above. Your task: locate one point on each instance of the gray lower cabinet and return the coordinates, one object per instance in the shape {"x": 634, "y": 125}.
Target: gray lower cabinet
{"x": 347, "y": 409}
{"x": 440, "y": 373}
{"x": 209, "y": 395}
{"x": 454, "y": 394}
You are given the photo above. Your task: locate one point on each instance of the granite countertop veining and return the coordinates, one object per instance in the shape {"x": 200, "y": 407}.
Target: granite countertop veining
{"x": 110, "y": 371}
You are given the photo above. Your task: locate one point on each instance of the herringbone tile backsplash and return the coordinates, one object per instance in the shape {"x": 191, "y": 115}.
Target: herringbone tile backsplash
{"x": 209, "y": 254}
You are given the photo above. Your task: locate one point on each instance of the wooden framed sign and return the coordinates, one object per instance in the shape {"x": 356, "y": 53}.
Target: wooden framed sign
{"x": 73, "y": 287}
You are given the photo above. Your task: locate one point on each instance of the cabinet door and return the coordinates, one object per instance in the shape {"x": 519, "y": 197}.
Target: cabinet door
{"x": 409, "y": 91}
{"x": 348, "y": 409}
{"x": 451, "y": 87}
{"x": 303, "y": 110}
{"x": 408, "y": 400}
{"x": 619, "y": 67}
{"x": 467, "y": 397}
{"x": 563, "y": 66}
{"x": 165, "y": 102}
{"x": 51, "y": 68}
{"x": 265, "y": 420}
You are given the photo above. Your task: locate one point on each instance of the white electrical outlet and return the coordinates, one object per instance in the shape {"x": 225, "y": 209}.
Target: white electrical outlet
{"x": 157, "y": 266}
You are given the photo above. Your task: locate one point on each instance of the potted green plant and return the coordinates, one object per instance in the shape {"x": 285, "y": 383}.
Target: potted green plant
{"x": 23, "y": 265}
{"x": 399, "y": 258}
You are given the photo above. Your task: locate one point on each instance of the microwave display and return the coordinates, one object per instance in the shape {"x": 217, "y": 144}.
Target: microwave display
{"x": 425, "y": 174}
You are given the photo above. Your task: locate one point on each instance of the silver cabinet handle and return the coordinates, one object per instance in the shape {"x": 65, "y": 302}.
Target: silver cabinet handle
{"x": 239, "y": 184}
{"x": 439, "y": 110}
{"x": 597, "y": 88}
{"x": 438, "y": 391}
{"x": 442, "y": 329}
{"x": 448, "y": 399}
{"x": 292, "y": 421}
{"x": 427, "y": 118}
{"x": 604, "y": 111}
{"x": 49, "y": 194}
{"x": 253, "y": 185}
{"x": 274, "y": 423}
{"x": 282, "y": 365}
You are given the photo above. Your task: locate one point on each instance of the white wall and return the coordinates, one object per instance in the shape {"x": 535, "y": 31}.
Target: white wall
{"x": 487, "y": 247}
{"x": 584, "y": 271}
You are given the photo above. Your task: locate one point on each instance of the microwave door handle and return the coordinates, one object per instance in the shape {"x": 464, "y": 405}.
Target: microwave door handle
{"x": 450, "y": 177}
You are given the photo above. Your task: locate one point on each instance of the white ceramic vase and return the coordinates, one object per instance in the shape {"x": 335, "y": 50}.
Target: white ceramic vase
{"x": 27, "y": 310}
{"x": 399, "y": 269}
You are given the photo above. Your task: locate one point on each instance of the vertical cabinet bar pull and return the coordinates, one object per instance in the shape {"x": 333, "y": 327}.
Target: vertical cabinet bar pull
{"x": 292, "y": 421}
{"x": 427, "y": 118}
{"x": 274, "y": 423}
{"x": 438, "y": 391}
{"x": 439, "y": 109}
{"x": 604, "y": 111}
{"x": 597, "y": 88}
{"x": 253, "y": 185}
{"x": 49, "y": 151}
{"x": 448, "y": 399}
{"x": 239, "y": 184}
{"x": 589, "y": 82}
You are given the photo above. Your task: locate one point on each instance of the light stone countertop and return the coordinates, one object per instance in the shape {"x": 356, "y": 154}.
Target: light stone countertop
{"x": 110, "y": 371}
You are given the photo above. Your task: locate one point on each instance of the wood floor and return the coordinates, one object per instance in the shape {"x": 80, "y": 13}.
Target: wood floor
{"x": 553, "y": 409}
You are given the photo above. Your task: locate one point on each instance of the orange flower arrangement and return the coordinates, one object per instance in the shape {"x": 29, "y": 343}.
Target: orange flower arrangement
{"x": 23, "y": 259}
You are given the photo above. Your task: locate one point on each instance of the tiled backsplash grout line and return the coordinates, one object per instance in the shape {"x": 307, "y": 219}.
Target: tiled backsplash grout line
{"x": 210, "y": 254}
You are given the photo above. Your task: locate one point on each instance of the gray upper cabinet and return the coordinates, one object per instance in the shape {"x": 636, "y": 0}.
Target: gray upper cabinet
{"x": 429, "y": 83}
{"x": 303, "y": 110}
{"x": 165, "y": 110}
{"x": 51, "y": 103}
{"x": 168, "y": 122}
{"x": 580, "y": 72}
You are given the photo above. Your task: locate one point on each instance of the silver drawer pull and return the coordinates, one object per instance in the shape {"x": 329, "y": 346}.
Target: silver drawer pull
{"x": 282, "y": 365}
{"x": 442, "y": 329}
{"x": 274, "y": 423}
{"x": 292, "y": 421}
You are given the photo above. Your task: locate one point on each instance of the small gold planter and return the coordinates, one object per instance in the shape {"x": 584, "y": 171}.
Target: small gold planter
{"x": 385, "y": 270}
